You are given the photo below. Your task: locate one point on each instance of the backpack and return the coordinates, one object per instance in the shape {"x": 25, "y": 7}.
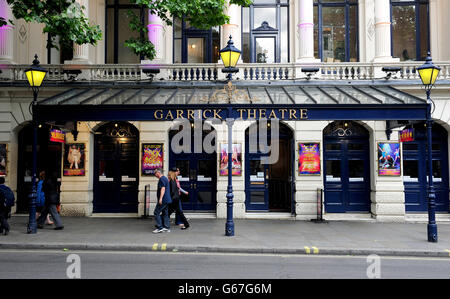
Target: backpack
{"x": 8, "y": 195}
{"x": 40, "y": 196}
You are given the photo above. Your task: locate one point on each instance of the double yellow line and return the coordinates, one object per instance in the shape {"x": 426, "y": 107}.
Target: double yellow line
{"x": 162, "y": 248}
{"x": 308, "y": 250}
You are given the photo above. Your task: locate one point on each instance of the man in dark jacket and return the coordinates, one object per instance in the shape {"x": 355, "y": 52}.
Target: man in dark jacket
{"x": 162, "y": 203}
{"x": 4, "y": 212}
{"x": 50, "y": 188}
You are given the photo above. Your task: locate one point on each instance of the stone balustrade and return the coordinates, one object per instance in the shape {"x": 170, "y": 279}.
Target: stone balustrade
{"x": 213, "y": 71}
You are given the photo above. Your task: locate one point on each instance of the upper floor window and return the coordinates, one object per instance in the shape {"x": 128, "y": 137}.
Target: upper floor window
{"x": 192, "y": 45}
{"x": 118, "y": 31}
{"x": 265, "y": 31}
{"x": 336, "y": 30}
{"x": 410, "y": 29}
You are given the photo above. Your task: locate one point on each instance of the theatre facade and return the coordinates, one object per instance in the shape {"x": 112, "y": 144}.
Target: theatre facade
{"x": 319, "y": 123}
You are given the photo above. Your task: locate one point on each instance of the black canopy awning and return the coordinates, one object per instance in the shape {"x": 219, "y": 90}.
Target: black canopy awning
{"x": 219, "y": 100}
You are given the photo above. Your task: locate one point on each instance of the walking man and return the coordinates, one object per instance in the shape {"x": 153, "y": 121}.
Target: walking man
{"x": 6, "y": 202}
{"x": 162, "y": 205}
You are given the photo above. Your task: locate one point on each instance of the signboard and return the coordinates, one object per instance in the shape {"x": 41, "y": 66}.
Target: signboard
{"x": 406, "y": 135}
{"x": 389, "y": 159}
{"x": 236, "y": 158}
{"x": 74, "y": 159}
{"x": 56, "y": 135}
{"x": 309, "y": 158}
{"x": 152, "y": 158}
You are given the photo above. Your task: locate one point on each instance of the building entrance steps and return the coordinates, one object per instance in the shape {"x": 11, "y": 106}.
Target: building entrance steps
{"x": 251, "y": 236}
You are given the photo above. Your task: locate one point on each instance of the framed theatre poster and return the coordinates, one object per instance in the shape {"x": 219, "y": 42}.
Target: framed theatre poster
{"x": 74, "y": 159}
{"x": 3, "y": 151}
{"x": 389, "y": 159}
{"x": 309, "y": 158}
{"x": 152, "y": 157}
{"x": 236, "y": 158}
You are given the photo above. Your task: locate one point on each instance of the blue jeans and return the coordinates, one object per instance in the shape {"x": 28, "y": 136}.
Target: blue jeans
{"x": 177, "y": 216}
{"x": 164, "y": 209}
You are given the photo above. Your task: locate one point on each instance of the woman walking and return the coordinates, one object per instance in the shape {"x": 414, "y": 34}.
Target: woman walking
{"x": 50, "y": 189}
{"x": 175, "y": 205}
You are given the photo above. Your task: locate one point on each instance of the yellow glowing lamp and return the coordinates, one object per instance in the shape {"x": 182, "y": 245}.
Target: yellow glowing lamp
{"x": 428, "y": 72}
{"x": 35, "y": 74}
{"x": 230, "y": 56}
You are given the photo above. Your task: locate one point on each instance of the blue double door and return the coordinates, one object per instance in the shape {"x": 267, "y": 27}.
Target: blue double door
{"x": 347, "y": 171}
{"x": 415, "y": 170}
{"x": 198, "y": 176}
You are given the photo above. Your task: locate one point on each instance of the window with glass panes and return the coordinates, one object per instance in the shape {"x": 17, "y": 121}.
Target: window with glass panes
{"x": 118, "y": 31}
{"x": 410, "y": 29}
{"x": 192, "y": 45}
{"x": 265, "y": 31}
{"x": 336, "y": 30}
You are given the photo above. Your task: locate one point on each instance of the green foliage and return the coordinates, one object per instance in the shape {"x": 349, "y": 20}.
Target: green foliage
{"x": 2, "y": 22}
{"x": 201, "y": 14}
{"x": 63, "y": 18}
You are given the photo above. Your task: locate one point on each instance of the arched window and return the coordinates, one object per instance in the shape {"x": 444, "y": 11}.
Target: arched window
{"x": 192, "y": 45}
{"x": 410, "y": 29}
{"x": 265, "y": 31}
{"x": 336, "y": 30}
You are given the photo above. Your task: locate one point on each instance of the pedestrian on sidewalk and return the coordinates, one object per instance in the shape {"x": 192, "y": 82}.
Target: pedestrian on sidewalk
{"x": 177, "y": 217}
{"x": 7, "y": 200}
{"x": 40, "y": 198}
{"x": 50, "y": 188}
{"x": 176, "y": 199}
{"x": 162, "y": 204}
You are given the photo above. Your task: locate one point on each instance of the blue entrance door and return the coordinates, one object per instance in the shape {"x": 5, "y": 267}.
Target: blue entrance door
{"x": 198, "y": 176}
{"x": 346, "y": 168}
{"x": 415, "y": 173}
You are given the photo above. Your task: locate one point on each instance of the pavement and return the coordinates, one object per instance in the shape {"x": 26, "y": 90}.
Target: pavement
{"x": 251, "y": 236}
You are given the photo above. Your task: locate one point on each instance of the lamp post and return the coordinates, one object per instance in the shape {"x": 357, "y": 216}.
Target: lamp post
{"x": 428, "y": 74}
{"x": 230, "y": 56}
{"x": 35, "y": 75}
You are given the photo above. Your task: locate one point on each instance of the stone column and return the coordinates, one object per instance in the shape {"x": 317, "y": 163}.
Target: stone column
{"x": 6, "y": 35}
{"x": 81, "y": 52}
{"x": 383, "y": 31}
{"x": 306, "y": 31}
{"x": 234, "y": 28}
{"x": 156, "y": 36}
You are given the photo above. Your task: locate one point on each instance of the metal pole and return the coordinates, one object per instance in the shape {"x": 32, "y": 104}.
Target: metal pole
{"x": 32, "y": 225}
{"x": 229, "y": 226}
{"x": 432, "y": 226}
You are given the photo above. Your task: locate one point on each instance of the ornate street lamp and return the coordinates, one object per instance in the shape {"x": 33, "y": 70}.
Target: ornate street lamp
{"x": 35, "y": 75}
{"x": 230, "y": 56}
{"x": 428, "y": 74}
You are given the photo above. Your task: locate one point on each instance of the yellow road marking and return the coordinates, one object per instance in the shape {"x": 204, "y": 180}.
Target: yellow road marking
{"x": 163, "y": 246}
{"x": 155, "y": 246}
{"x": 307, "y": 250}
{"x": 316, "y": 250}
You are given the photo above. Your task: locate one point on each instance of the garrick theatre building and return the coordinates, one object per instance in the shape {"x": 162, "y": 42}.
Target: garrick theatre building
{"x": 318, "y": 67}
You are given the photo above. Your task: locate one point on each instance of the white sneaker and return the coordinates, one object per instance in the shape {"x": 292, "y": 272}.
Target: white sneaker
{"x": 158, "y": 230}
{"x": 165, "y": 230}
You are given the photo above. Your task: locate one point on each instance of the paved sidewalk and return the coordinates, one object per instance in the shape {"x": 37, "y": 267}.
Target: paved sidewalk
{"x": 251, "y": 236}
